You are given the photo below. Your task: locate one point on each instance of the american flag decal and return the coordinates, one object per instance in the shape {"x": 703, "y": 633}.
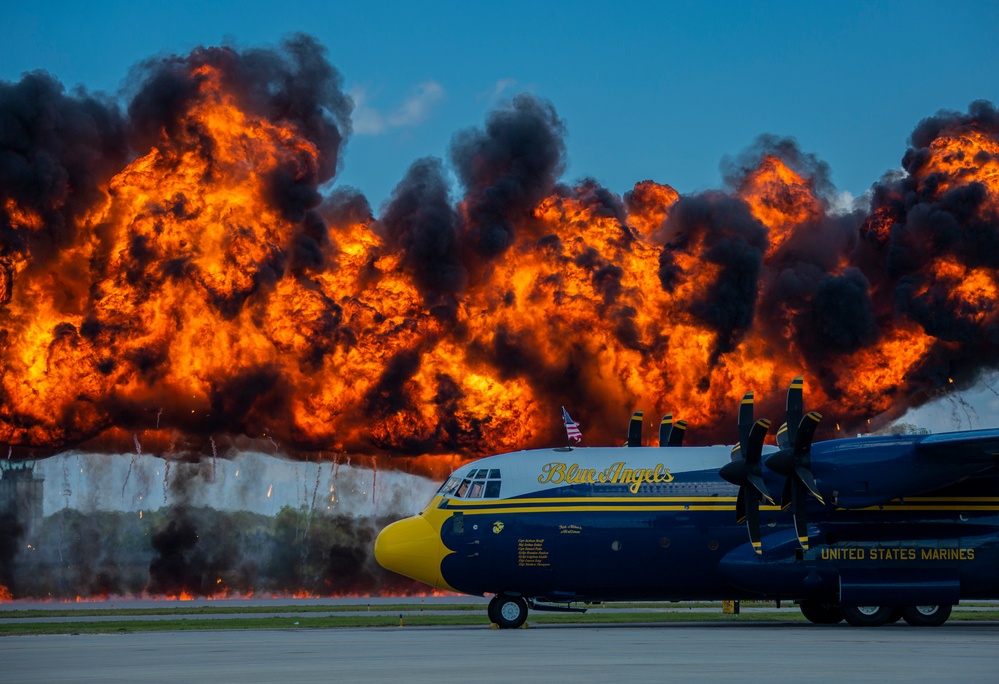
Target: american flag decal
{"x": 571, "y": 427}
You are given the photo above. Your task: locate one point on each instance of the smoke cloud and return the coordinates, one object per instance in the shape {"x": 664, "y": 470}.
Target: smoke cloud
{"x": 179, "y": 268}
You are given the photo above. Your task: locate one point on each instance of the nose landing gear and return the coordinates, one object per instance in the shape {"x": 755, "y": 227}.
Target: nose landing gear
{"x": 507, "y": 612}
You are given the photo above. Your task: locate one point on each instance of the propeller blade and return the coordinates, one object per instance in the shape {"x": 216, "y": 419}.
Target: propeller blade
{"x": 783, "y": 441}
{"x": 754, "y": 451}
{"x": 745, "y": 418}
{"x": 785, "y": 497}
{"x": 759, "y": 486}
{"x": 754, "y": 445}
{"x": 805, "y": 432}
{"x": 740, "y": 506}
{"x": 745, "y": 469}
{"x": 807, "y": 479}
{"x": 676, "y": 433}
{"x": 752, "y": 513}
{"x": 635, "y": 430}
{"x": 800, "y": 508}
{"x": 793, "y": 460}
{"x": 795, "y": 406}
{"x": 665, "y": 427}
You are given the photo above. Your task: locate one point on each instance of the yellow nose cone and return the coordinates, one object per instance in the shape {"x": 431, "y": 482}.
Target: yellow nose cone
{"x": 413, "y": 548}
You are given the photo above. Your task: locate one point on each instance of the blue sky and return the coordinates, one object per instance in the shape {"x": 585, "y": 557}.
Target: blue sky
{"x": 648, "y": 90}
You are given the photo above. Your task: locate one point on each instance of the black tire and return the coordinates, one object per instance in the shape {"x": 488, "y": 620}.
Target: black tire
{"x": 821, "y": 612}
{"x": 508, "y": 612}
{"x": 491, "y": 609}
{"x": 926, "y": 616}
{"x": 868, "y": 616}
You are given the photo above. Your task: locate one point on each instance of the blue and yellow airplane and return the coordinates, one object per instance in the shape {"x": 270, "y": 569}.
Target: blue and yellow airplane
{"x": 870, "y": 529}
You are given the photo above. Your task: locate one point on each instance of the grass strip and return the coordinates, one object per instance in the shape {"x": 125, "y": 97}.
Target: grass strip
{"x": 389, "y": 621}
{"x": 232, "y": 610}
{"x": 130, "y": 626}
{"x": 218, "y": 609}
{"x": 405, "y": 608}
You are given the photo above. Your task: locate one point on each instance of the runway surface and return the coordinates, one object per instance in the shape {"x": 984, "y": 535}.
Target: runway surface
{"x": 744, "y": 652}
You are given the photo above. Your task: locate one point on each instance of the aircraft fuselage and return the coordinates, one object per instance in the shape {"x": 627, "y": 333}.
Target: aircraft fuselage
{"x": 612, "y": 524}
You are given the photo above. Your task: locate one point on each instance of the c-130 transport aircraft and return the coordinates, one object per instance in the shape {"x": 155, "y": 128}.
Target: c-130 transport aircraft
{"x": 870, "y": 529}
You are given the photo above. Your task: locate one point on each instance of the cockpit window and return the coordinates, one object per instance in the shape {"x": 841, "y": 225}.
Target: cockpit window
{"x": 449, "y": 486}
{"x": 477, "y": 484}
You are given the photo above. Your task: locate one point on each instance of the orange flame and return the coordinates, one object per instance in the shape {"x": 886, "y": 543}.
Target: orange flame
{"x": 177, "y": 308}
{"x": 781, "y": 199}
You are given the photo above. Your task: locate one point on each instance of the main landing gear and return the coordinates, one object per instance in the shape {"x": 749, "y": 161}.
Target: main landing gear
{"x": 507, "y": 612}
{"x": 926, "y": 616}
{"x": 870, "y": 616}
{"x": 830, "y": 613}
{"x": 821, "y": 612}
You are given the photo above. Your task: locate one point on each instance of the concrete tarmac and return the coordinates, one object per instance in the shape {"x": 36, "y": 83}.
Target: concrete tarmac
{"x": 743, "y": 652}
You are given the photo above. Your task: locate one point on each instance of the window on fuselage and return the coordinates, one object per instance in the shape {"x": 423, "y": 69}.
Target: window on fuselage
{"x": 478, "y": 484}
{"x": 449, "y": 486}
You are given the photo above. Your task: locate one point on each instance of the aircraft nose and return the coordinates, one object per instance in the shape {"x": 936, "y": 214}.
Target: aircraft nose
{"x": 411, "y": 547}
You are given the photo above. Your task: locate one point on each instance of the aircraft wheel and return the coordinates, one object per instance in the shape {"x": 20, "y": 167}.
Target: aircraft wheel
{"x": 868, "y": 616}
{"x": 509, "y": 612}
{"x": 821, "y": 612}
{"x": 926, "y": 616}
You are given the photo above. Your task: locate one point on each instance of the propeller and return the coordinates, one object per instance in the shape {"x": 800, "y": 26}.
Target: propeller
{"x": 745, "y": 470}
{"x": 793, "y": 461}
{"x": 635, "y": 430}
{"x": 670, "y": 433}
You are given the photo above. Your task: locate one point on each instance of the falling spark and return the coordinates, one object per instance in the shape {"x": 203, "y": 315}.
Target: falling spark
{"x": 166, "y": 477}
{"x": 269, "y": 490}
{"x": 215, "y": 454}
{"x": 138, "y": 450}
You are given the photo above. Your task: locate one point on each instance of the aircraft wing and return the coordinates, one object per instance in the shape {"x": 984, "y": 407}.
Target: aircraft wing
{"x": 981, "y": 446}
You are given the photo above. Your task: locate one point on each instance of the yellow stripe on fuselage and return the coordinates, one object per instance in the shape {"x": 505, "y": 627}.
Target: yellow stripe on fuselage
{"x": 692, "y": 503}
{"x": 589, "y": 509}
{"x": 600, "y": 499}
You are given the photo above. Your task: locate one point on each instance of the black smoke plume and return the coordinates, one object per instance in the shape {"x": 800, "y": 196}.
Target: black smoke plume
{"x": 56, "y": 153}
{"x": 420, "y": 222}
{"x": 326, "y": 291}
{"x": 729, "y": 236}
{"x": 920, "y": 218}
{"x": 507, "y": 169}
